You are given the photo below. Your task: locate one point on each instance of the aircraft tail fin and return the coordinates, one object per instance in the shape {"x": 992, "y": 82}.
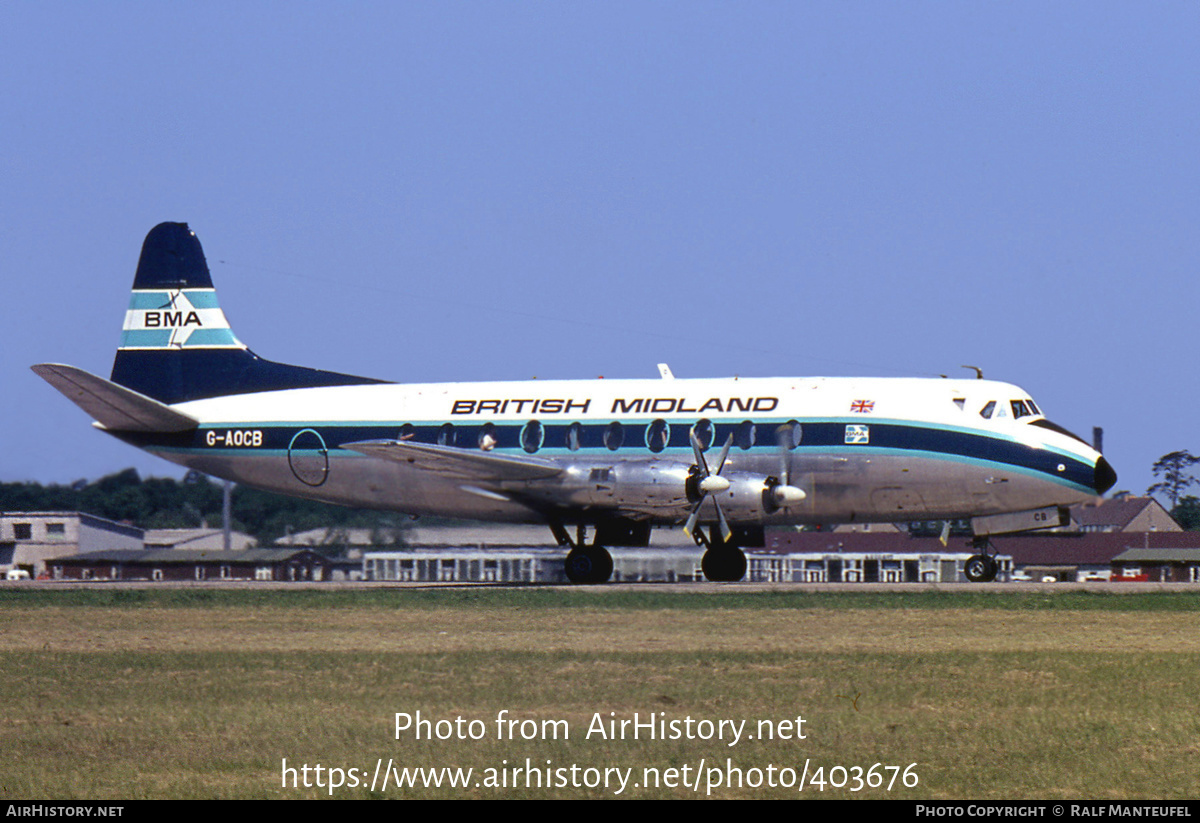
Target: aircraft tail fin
{"x": 177, "y": 345}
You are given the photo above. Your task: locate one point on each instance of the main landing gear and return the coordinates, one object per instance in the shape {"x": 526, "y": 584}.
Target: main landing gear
{"x": 982, "y": 567}
{"x": 723, "y": 560}
{"x": 584, "y": 563}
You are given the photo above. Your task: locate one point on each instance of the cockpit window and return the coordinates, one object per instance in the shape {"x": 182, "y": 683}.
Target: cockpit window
{"x": 1020, "y": 409}
{"x": 986, "y": 411}
{"x": 1032, "y": 407}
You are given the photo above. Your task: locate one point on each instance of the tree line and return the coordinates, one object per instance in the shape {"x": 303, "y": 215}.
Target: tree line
{"x": 194, "y": 501}
{"x": 1175, "y": 469}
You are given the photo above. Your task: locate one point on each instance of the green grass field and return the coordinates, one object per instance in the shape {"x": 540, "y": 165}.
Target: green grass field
{"x": 125, "y": 693}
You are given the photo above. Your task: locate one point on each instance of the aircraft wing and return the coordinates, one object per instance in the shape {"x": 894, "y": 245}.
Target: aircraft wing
{"x": 113, "y": 407}
{"x": 462, "y": 464}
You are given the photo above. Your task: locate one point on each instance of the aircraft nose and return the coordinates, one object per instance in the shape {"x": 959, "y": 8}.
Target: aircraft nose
{"x": 1105, "y": 477}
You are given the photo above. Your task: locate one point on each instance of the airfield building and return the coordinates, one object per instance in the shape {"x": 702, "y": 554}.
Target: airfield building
{"x": 291, "y": 565}
{"x": 29, "y": 539}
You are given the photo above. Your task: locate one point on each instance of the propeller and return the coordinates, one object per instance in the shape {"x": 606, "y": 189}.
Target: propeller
{"x": 709, "y": 483}
{"x": 779, "y": 491}
{"x": 782, "y": 492}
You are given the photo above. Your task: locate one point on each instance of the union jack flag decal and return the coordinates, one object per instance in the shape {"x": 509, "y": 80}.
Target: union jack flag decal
{"x": 862, "y": 406}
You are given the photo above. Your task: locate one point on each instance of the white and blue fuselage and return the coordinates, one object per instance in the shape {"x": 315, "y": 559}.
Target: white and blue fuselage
{"x": 863, "y": 450}
{"x": 571, "y": 452}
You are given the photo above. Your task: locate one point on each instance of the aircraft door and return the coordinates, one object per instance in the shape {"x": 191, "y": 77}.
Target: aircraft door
{"x": 309, "y": 457}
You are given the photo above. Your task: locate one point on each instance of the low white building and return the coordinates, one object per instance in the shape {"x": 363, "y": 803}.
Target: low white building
{"x": 503, "y": 553}
{"x": 525, "y": 565}
{"x": 864, "y": 567}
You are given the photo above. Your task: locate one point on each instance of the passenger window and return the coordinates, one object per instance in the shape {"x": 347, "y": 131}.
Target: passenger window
{"x": 986, "y": 411}
{"x": 487, "y": 437}
{"x": 658, "y": 434}
{"x": 532, "y": 436}
{"x": 407, "y": 432}
{"x": 703, "y": 430}
{"x": 745, "y": 435}
{"x": 788, "y": 435}
{"x": 575, "y": 436}
{"x": 614, "y": 436}
{"x": 447, "y": 435}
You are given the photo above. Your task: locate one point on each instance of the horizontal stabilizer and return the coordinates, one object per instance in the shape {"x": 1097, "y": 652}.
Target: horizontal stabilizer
{"x": 467, "y": 464}
{"x": 114, "y": 407}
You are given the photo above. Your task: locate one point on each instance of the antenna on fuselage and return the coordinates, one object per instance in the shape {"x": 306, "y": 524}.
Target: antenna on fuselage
{"x": 978, "y": 371}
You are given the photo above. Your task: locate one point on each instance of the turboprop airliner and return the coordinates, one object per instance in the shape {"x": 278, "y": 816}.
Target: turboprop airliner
{"x": 724, "y": 458}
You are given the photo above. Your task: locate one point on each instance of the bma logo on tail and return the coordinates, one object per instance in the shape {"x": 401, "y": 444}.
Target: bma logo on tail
{"x": 171, "y": 319}
{"x": 179, "y": 318}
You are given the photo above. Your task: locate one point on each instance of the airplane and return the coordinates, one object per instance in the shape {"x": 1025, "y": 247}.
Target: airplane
{"x": 617, "y": 457}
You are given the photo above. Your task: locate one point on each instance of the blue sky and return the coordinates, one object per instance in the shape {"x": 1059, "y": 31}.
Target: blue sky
{"x": 467, "y": 191}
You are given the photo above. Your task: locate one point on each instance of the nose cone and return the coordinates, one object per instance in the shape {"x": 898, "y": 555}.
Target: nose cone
{"x": 1105, "y": 477}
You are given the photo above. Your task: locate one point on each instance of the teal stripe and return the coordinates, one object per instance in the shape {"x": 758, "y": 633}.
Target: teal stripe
{"x": 139, "y": 300}
{"x": 161, "y": 339}
{"x": 145, "y": 338}
{"x": 203, "y": 299}
{"x": 211, "y": 337}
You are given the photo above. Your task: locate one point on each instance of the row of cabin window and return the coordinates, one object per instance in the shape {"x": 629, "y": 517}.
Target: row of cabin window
{"x": 1020, "y": 408}
{"x": 656, "y": 436}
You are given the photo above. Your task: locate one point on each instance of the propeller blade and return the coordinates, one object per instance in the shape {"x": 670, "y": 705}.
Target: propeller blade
{"x": 690, "y": 525}
{"x": 711, "y": 483}
{"x": 724, "y": 453}
{"x": 700, "y": 461}
{"x": 785, "y": 466}
{"x": 786, "y": 441}
{"x": 726, "y": 532}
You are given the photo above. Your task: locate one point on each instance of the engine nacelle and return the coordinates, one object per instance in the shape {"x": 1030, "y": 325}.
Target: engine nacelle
{"x": 652, "y": 486}
{"x": 669, "y": 490}
{"x": 748, "y": 497}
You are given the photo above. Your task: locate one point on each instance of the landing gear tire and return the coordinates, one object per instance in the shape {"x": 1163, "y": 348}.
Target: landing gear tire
{"x": 723, "y": 564}
{"x": 980, "y": 568}
{"x": 588, "y": 564}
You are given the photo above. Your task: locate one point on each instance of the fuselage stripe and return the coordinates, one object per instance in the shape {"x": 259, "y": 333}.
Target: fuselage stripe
{"x": 820, "y": 437}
